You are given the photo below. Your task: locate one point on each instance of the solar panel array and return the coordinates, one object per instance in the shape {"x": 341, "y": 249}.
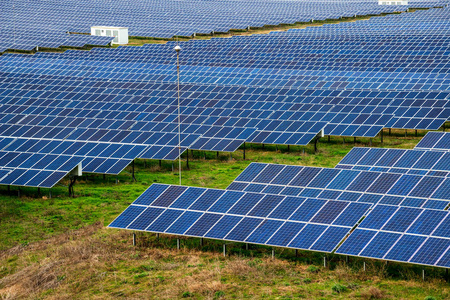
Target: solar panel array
{"x": 26, "y": 24}
{"x": 281, "y": 88}
{"x": 439, "y": 141}
{"x": 348, "y": 185}
{"x": 433, "y": 163}
{"x": 405, "y": 234}
{"x": 294, "y": 222}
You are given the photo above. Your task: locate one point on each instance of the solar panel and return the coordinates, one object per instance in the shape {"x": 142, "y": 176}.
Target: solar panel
{"x": 318, "y": 225}
{"x": 351, "y": 185}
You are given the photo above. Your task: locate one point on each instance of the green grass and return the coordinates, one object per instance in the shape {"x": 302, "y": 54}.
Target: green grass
{"x": 58, "y": 247}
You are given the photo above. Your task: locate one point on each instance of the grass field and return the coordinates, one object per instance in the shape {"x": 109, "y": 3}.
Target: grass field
{"x": 58, "y": 247}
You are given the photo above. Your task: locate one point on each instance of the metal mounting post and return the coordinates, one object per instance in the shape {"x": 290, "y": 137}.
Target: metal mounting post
{"x": 364, "y": 266}
{"x": 423, "y": 274}
{"x": 296, "y": 252}
{"x": 224, "y": 250}
{"x": 246, "y": 246}
{"x": 389, "y": 131}
{"x": 329, "y": 138}
{"x": 178, "y": 244}
{"x": 39, "y": 192}
{"x": 324, "y": 261}
{"x": 354, "y": 140}
{"x": 289, "y": 148}
{"x": 134, "y": 239}
{"x": 132, "y": 171}
{"x": 416, "y": 132}
{"x": 370, "y": 142}
{"x": 244, "y": 150}
{"x": 104, "y": 176}
{"x": 201, "y": 242}
{"x": 381, "y": 135}
{"x": 187, "y": 159}
{"x": 273, "y": 253}
{"x": 72, "y": 180}
{"x": 160, "y": 163}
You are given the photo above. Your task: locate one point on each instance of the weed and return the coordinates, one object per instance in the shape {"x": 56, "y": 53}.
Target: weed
{"x": 430, "y": 298}
{"x": 313, "y": 269}
{"x": 219, "y": 294}
{"x": 187, "y": 295}
{"x": 338, "y": 288}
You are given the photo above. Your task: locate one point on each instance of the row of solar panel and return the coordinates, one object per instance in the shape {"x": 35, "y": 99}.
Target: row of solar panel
{"x": 301, "y": 223}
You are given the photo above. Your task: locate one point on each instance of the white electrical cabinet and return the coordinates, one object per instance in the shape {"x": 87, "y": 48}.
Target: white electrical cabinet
{"x": 120, "y": 34}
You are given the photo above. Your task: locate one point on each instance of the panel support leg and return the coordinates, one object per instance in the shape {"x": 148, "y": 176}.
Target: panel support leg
{"x": 364, "y": 266}
{"x": 201, "y": 242}
{"x": 224, "y": 250}
{"x": 244, "y": 150}
{"x": 273, "y": 253}
{"x": 354, "y": 140}
{"x": 187, "y": 159}
{"x": 370, "y": 142}
{"x": 178, "y": 244}
{"x": 132, "y": 171}
{"x": 416, "y": 132}
{"x": 423, "y": 274}
{"x": 246, "y": 246}
{"x": 324, "y": 261}
{"x": 289, "y": 148}
{"x": 329, "y": 138}
{"x": 104, "y": 176}
{"x": 134, "y": 239}
{"x": 49, "y": 194}
{"x": 39, "y": 192}
{"x": 315, "y": 144}
{"x": 117, "y": 179}
{"x": 217, "y": 154}
{"x": 406, "y": 132}
{"x": 389, "y": 131}
{"x": 160, "y": 163}
{"x": 381, "y": 136}
{"x": 263, "y": 146}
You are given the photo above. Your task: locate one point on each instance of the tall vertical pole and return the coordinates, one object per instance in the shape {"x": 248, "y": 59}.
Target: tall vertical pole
{"x": 178, "y": 49}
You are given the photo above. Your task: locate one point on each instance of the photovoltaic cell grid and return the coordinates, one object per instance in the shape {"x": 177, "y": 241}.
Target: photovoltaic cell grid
{"x": 350, "y": 185}
{"x": 46, "y": 23}
{"x": 295, "y": 222}
{"x": 37, "y": 170}
{"x": 404, "y": 234}
{"x": 419, "y": 162}
{"x": 439, "y": 141}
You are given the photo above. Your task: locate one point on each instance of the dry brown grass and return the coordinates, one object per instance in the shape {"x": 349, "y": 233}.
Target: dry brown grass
{"x": 98, "y": 263}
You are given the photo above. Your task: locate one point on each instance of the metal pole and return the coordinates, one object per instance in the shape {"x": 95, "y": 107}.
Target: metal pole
{"x": 178, "y": 244}
{"x": 224, "y": 250}
{"x": 246, "y": 246}
{"x": 244, "y": 150}
{"x": 201, "y": 242}
{"x": 381, "y": 133}
{"x": 364, "y": 266}
{"x": 178, "y": 49}
{"x": 132, "y": 174}
{"x": 324, "y": 261}
{"x": 273, "y": 254}
{"x": 134, "y": 239}
{"x": 187, "y": 159}
{"x": 423, "y": 275}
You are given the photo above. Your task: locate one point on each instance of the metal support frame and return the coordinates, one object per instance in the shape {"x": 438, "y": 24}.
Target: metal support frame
{"x": 273, "y": 253}
{"x": 324, "y": 261}
{"x": 134, "y": 239}
{"x": 382, "y": 134}
{"x": 244, "y": 150}
{"x": 72, "y": 180}
{"x": 132, "y": 171}
{"x": 178, "y": 244}
{"x": 224, "y": 250}
{"x": 187, "y": 159}
{"x": 316, "y": 140}
{"x": 39, "y": 191}
{"x": 364, "y": 266}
